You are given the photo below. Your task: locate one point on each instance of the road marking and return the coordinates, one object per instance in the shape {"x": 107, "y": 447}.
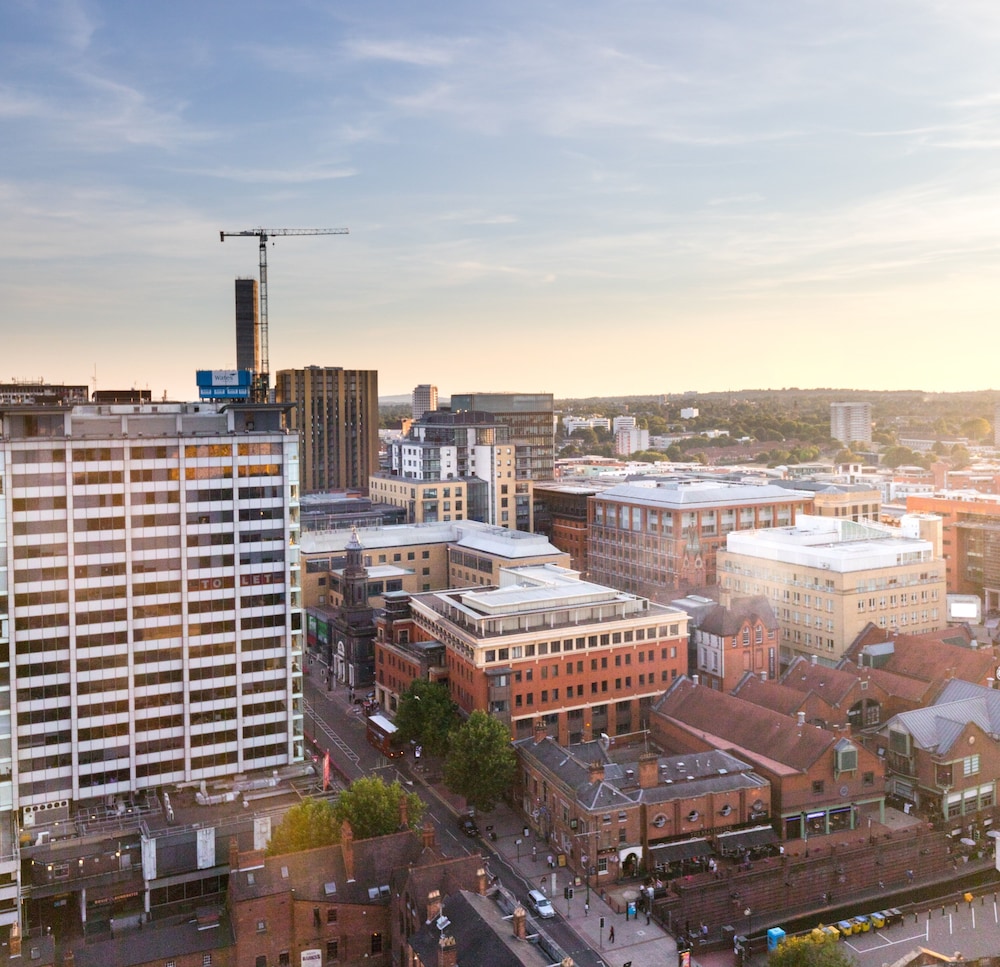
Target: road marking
{"x": 331, "y": 735}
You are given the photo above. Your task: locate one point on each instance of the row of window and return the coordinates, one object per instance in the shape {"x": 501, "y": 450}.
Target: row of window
{"x": 591, "y": 641}
{"x": 595, "y": 688}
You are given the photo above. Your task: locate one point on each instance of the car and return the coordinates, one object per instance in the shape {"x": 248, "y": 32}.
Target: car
{"x": 541, "y": 904}
{"x": 468, "y": 826}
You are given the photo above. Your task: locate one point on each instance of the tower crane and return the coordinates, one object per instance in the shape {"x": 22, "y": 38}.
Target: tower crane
{"x": 262, "y": 379}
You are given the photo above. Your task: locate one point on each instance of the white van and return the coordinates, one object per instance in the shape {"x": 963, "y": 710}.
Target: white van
{"x": 539, "y": 902}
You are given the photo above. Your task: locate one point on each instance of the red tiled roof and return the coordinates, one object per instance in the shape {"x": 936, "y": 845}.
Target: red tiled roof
{"x": 739, "y": 726}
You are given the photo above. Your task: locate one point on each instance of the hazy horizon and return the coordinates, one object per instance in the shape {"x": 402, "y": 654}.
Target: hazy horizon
{"x": 587, "y": 199}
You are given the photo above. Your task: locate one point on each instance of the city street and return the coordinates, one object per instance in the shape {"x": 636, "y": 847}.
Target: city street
{"x": 582, "y": 925}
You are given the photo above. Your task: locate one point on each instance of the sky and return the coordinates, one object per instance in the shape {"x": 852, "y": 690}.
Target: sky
{"x": 585, "y": 198}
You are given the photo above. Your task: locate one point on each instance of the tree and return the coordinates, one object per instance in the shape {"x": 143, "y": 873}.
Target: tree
{"x": 307, "y": 825}
{"x": 369, "y": 805}
{"x": 426, "y": 714}
{"x": 372, "y": 807}
{"x": 481, "y": 763}
{"x": 960, "y": 456}
{"x": 804, "y": 952}
{"x": 977, "y": 428}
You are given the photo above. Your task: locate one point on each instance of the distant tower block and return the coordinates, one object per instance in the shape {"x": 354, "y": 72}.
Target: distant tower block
{"x": 425, "y": 400}
{"x": 247, "y": 326}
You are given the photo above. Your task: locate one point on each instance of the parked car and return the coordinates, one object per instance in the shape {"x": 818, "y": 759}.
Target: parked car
{"x": 468, "y": 826}
{"x": 541, "y": 904}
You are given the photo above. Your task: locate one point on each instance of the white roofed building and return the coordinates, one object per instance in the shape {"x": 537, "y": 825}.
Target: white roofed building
{"x": 545, "y": 648}
{"x": 827, "y": 578}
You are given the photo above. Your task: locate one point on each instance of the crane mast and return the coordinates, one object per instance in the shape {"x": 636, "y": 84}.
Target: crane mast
{"x": 262, "y": 378}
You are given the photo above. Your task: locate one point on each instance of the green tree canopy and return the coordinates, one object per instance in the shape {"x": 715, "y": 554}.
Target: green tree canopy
{"x": 977, "y": 428}
{"x": 370, "y": 805}
{"x": 481, "y": 763}
{"x": 308, "y": 825}
{"x": 426, "y": 714}
{"x": 803, "y": 952}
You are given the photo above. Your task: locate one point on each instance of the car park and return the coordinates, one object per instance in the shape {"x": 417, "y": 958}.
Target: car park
{"x": 541, "y": 904}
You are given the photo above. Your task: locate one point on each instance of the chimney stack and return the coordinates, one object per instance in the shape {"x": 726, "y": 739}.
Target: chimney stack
{"x": 802, "y": 718}
{"x": 694, "y": 679}
{"x": 433, "y": 905}
{"x": 648, "y": 770}
{"x": 539, "y": 731}
{"x": 429, "y": 836}
{"x": 595, "y": 772}
{"x": 482, "y": 881}
{"x": 519, "y": 918}
{"x": 447, "y": 952}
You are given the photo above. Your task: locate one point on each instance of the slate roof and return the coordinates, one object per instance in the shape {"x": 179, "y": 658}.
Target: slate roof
{"x": 320, "y": 874}
{"x": 936, "y": 728}
{"x": 482, "y": 936}
{"x": 725, "y": 622}
{"x": 151, "y": 943}
{"x": 678, "y": 776}
{"x": 741, "y": 725}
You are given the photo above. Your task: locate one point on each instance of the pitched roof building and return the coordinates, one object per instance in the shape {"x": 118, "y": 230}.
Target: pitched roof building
{"x": 821, "y": 781}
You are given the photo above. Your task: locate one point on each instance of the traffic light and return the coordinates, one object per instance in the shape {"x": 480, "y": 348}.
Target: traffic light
{"x": 566, "y": 892}
{"x": 569, "y": 893}
{"x": 602, "y": 923}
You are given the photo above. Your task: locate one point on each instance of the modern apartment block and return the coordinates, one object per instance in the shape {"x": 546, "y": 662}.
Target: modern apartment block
{"x": 335, "y": 412}
{"x": 548, "y": 648}
{"x": 424, "y": 400}
{"x": 456, "y": 466}
{"x": 149, "y": 604}
{"x": 827, "y": 578}
{"x": 659, "y": 537}
{"x": 531, "y": 418}
{"x": 851, "y": 422}
{"x": 970, "y": 539}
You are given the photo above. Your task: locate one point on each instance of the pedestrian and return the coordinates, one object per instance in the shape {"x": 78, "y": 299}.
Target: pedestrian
{"x": 611, "y": 934}
{"x": 586, "y": 909}
{"x": 552, "y": 864}
{"x": 534, "y": 853}
{"x": 909, "y": 876}
{"x": 647, "y": 917}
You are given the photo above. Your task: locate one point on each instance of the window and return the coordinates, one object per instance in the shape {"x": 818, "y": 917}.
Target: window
{"x": 283, "y": 959}
{"x": 376, "y": 943}
{"x": 970, "y": 765}
{"x": 206, "y": 960}
{"x": 332, "y": 949}
{"x": 331, "y": 915}
{"x": 261, "y": 926}
{"x": 818, "y": 787}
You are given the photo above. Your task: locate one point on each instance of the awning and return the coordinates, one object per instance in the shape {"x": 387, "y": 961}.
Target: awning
{"x": 687, "y": 849}
{"x": 746, "y": 838}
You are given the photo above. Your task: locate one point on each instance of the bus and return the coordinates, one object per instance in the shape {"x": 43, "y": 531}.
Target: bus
{"x": 382, "y": 734}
